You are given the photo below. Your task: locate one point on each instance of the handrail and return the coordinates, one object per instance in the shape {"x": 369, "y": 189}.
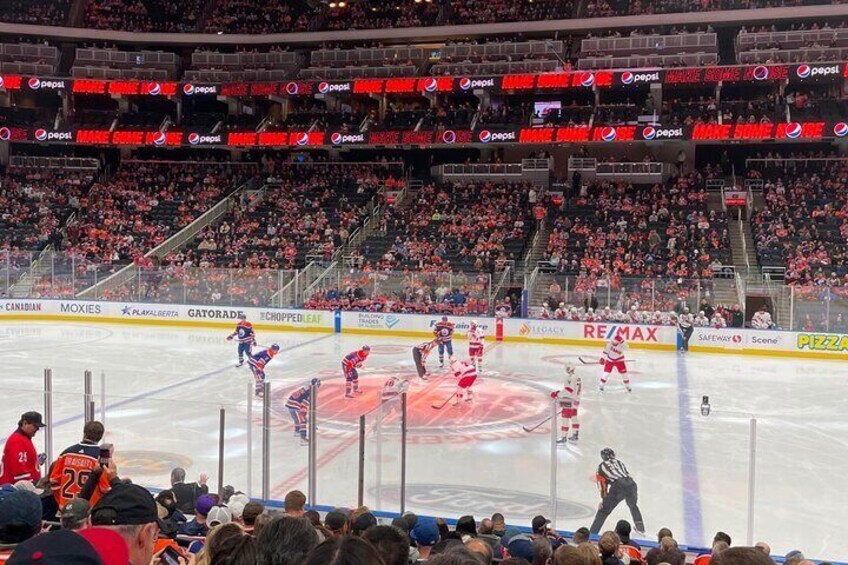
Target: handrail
{"x": 307, "y": 292}
{"x": 744, "y": 245}
{"x": 495, "y": 291}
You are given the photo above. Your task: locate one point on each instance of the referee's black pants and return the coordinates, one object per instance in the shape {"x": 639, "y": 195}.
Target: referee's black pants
{"x": 419, "y": 362}
{"x": 686, "y": 334}
{"x": 622, "y": 489}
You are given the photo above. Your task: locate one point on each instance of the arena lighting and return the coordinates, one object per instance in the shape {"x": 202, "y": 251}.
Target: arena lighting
{"x": 332, "y": 4}
{"x": 342, "y": 4}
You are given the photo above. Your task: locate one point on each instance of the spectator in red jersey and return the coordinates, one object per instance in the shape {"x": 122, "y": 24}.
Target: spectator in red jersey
{"x": 20, "y": 460}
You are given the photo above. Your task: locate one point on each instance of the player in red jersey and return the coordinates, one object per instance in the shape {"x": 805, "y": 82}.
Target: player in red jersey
{"x": 475, "y": 345}
{"x": 467, "y": 375}
{"x": 613, "y": 358}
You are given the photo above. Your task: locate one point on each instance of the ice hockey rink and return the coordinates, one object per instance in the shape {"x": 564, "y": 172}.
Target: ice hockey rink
{"x": 165, "y": 388}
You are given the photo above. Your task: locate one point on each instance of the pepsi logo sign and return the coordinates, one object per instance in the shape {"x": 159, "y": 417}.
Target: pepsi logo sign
{"x": 587, "y": 79}
{"x": 803, "y": 71}
{"x": 840, "y": 129}
{"x": 302, "y": 138}
{"x": 188, "y": 89}
{"x": 806, "y": 71}
{"x": 608, "y": 134}
{"x": 34, "y": 83}
{"x": 292, "y": 89}
{"x": 1, "y": 82}
{"x": 449, "y": 136}
{"x": 336, "y": 138}
{"x": 485, "y": 136}
{"x": 793, "y": 130}
{"x": 197, "y": 139}
{"x": 160, "y": 138}
{"x": 465, "y": 83}
{"x": 154, "y": 89}
{"x": 41, "y": 134}
{"x": 431, "y": 84}
{"x": 194, "y": 138}
{"x": 627, "y": 77}
{"x": 5, "y": 134}
{"x": 649, "y": 133}
{"x": 325, "y": 87}
{"x": 44, "y": 135}
{"x": 761, "y": 72}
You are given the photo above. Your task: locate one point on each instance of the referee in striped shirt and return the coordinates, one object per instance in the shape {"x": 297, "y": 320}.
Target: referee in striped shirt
{"x": 616, "y": 485}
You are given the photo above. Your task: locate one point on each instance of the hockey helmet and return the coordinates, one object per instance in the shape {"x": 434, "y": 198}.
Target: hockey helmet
{"x": 444, "y": 318}
{"x": 275, "y": 348}
{"x": 617, "y": 338}
{"x": 569, "y": 370}
{"x": 607, "y": 454}
{"x": 242, "y": 316}
{"x": 315, "y": 382}
{"x": 472, "y": 324}
{"x": 366, "y": 348}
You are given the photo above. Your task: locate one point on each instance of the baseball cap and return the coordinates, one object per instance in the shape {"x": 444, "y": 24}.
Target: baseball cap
{"x": 204, "y": 504}
{"x": 109, "y": 545}
{"x": 236, "y": 505}
{"x": 125, "y": 505}
{"x": 218, "y": 515}
{"x": 335, "y": 520}
{"x": 425, "y": 532}
{"x": 33, "y": 418}
{"x": 75, "y": 512}
{"x": 363, "y": 522}
{"x": 521, "y": 546}
{"x": 19, "y": 508}
{"x": 61, "y": 547}
{"x": 539, "y": 522}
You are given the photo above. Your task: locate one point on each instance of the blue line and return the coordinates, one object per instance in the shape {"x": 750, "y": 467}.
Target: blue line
{"x": 692, "y": 515}
{"x": 173, "y": 386}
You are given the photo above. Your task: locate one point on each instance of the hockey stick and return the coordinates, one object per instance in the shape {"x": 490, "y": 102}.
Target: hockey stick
{"x": 443, "y": 404}
{"x": 537, "y": 426}
{"x": 596, "y": 363}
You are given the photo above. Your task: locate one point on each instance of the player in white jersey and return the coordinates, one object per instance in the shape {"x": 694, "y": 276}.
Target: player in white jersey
{"x": 613, "y": 358}
{"x": 475, "y": 345}
{"x": 762, "y": 320}
{"x": 569, "y": 402}
{"x": 393, "y": 388}
{"x": 718, "y": 321}
{"x": 467, "y": 374}
{"x": 701, "y": 320}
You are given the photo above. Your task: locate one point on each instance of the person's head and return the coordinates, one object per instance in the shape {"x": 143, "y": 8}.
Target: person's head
{"x": 764, "y": 547}
{"x": 456, "y": 555}
{"x": 20, "y": 515}
{"x": 542, "y": 551}
{"x": 230, "y": 545}
{"x": 30, "y": 423}
{"x": 664, "y": 533}
{"x": 520, "y": 545}
{"x": 425, "y": 534}
{"x": 515, "y": 561}
{"x": 487, "y": 527}
{"x": 363, "y": 522}
{"x": 608, "y": 544}
{"x": 252, "y": 511}
{"x": 567, "y": 555}
{"x": 130, "y": 511}
{"x": 295, "y": 503}
{"x": 718, "y": 547}
{"x": 466, "y": 526}
{"x": 61, "y": 546}
{"x": 93, "y": 431}
{"x": 589, "y": 554}
{"x": 622, "y": 528}
{"x": 671, "y": 555}
{"x": 313, "y": 517}
{"x": 285, "y": 541}
{"x": 721, "y": 536}
{"x": 793, "y": 558}
{"x": 668, "y": 543}
{"x": 205, "y": 503}
{"x": 742, "y": 556}
{"x": 337, "y": 522}
{"x": 539, "y": 525}
{"x": 343, "y": 550}
{"x": 498, "y": 522}
{"x": 391, "y": 543}
{"x": 481, "y": 549}
{"x": 237, "y": 504}
{"x": 581, "y": 535}
{"x": 177, "y": 475}
{"x": 218, "y": 516}
{"x": 261, "y": 521}
{"x": 76, "y": 514}
{"x": 446, "y": 545}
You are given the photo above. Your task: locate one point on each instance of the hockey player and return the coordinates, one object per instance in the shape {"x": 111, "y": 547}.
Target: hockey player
{"x": 393, "y": 388}
{"x": 467, "y": 374}
{"x": 718, "y": 321}
{"x": 613, "y": 358}
{"x": 444, "y": 334}
{"x": 701, "y": 320}
{"x": 350, "y": 364}
{"x": 761, "y": 320}
{"x": 685, "y": 324}
{"x": 257, "y": 365}
{"x": 245, "y": 337}
{"x": 615, "y": 484}
{"x": 475, "y": 345}
{"x": 298, "y": 405}
{"x": 569, "y": 402}
{"x": 419, "y": 357}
